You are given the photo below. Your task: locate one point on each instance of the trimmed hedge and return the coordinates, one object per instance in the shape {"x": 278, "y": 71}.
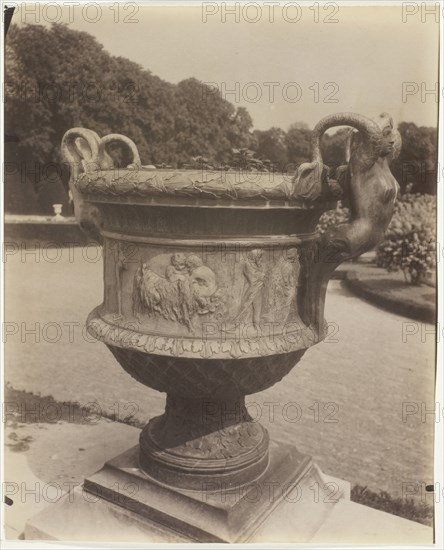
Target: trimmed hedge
{"x": 420, "y": 512}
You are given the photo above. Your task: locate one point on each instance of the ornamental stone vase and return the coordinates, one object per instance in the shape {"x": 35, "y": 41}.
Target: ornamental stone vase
{"x": 214, "y": 288}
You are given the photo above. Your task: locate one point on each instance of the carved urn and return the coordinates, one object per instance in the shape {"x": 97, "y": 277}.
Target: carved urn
{"x": 214, "y": 289}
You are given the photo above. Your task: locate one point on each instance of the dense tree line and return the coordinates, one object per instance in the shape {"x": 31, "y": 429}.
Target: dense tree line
{"x": 57, "y": 78}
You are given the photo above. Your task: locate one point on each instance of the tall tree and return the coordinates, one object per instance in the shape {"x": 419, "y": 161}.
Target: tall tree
{"x": 58, "y": 78}
{"x": 271, "y": 147}
{"x": 298, "y": 141}
{"x": 334, "y": 147}
{"x": 417, "y": 162}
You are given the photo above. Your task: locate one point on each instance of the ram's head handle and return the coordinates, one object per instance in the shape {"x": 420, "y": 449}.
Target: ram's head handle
{"x": 366, "y": 183}
{"x": 370, "y": 189}
{"x": 85, "y": 151}
{"x": 312, "y": 181}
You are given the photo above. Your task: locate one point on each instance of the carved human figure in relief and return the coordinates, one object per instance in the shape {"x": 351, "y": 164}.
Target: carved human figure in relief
{"x": 120, "y": 267}
{"x": 177, "y": 270}
{"x": 189, "y": 288}
{"x": 252, "y": 295}
{"x": 283, "y": 286}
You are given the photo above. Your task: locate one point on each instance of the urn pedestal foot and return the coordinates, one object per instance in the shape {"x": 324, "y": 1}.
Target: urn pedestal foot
{"x": 198, "y": 441}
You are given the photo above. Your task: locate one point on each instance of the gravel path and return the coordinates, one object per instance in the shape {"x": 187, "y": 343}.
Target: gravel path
{"x": 343, "y": 403}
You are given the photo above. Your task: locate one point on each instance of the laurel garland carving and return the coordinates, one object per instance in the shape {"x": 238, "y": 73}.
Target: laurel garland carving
{"x": 191, "y": 184}
{"x": 122, "y": 337}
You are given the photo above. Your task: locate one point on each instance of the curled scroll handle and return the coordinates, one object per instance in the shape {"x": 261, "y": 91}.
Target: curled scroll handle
{"x": 86, "y": 152}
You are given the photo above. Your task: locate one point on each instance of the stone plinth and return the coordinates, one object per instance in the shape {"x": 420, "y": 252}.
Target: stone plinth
{"x": 305, "y": 514}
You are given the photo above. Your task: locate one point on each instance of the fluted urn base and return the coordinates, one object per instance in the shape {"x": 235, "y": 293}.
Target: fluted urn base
{"x": 199, "y": 440}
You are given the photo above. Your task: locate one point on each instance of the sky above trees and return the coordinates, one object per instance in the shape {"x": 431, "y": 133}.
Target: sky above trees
{"x": 57, "y": 78}
{"x": 283, "y": 65}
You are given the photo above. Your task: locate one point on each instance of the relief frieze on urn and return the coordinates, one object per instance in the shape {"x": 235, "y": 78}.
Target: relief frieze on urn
{"x": 214, "y": 289}
{"x": 238, "y": 301}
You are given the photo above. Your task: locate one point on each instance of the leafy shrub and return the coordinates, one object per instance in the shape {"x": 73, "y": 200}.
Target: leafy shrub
{"x": 409, "y": 243}
{"x": 333, "y": 217}
{"x": 244, "y": 159}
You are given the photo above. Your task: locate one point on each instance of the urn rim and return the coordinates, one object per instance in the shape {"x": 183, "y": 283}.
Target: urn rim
{"x": 203, "y": 188}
